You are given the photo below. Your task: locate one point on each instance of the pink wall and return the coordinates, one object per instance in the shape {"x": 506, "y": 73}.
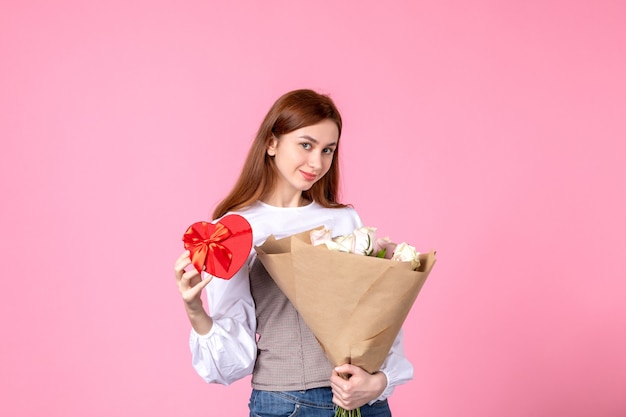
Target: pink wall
{"x": 491, "y": 131}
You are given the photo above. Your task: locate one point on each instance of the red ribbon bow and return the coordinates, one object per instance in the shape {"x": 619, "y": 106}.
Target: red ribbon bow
{"x": 203, "y": 240}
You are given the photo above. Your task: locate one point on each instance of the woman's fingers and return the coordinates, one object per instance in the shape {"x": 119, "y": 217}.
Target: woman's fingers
{"x": 181, "y": 263}
{"x": 193, "y": 289}
{"x": 190, "y": 282}
{"x": 191, "y": 286}
{"x": 189, "y": 279}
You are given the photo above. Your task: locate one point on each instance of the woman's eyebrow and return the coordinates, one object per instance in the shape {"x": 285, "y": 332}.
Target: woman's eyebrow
{"x": 312, "y": 139}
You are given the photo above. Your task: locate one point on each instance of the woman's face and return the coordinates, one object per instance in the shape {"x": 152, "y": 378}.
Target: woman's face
{"x": 303, "y": 156}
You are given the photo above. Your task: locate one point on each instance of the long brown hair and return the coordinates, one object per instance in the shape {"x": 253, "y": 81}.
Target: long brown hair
{"x": 292, "y": 111}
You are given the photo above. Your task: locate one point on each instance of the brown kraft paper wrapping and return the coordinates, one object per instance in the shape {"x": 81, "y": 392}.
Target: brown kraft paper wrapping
{"x": 355, "y": 305}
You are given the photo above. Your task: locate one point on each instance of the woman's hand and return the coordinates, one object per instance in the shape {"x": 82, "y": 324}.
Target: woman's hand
{"x": 190, "y": 285}
{"x": 359, "y": 388}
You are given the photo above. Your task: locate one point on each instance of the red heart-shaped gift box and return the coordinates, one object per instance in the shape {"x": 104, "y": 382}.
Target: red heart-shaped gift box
{"x": 219, "y": 248}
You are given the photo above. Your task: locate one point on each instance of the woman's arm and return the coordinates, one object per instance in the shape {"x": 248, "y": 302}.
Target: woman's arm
{"x": 190, "y": 286}
{"x": 222, "y": 344}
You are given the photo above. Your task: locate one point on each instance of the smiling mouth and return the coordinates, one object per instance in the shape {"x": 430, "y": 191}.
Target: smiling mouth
{"x": 307, "y": 176}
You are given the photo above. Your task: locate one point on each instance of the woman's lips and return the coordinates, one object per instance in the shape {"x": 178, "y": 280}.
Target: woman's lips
{"x": 307, "y": 176}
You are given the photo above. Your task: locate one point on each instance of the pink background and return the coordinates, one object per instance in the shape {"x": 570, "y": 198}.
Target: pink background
{"x": 491, "y": 131}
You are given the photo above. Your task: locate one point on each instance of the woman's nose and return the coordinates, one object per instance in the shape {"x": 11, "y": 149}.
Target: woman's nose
{"x": 315, "y": 160}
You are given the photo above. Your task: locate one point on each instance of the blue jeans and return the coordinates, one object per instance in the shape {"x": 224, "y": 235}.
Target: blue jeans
{"x": 317, "y": 402}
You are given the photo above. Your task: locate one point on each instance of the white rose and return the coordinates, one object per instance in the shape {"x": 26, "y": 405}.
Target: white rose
{"x": 406, "y": 253}
{"x": 320, "y": 236}
{"x": 343, "y": 243}
{"x": 364, "y": 238}
{"x": 333, "y": 246}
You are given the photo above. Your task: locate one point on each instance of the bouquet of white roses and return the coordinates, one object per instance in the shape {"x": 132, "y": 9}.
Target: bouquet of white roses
{"x": 315, "y": 273}
{"x": 363, "y": 241}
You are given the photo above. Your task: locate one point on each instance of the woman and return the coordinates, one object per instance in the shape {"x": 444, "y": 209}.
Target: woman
{"x": 289, "y": 184}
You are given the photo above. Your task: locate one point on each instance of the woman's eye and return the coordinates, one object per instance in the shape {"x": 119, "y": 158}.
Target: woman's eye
{"x": 328, "y": 151}
{"x": 306, "y": 146}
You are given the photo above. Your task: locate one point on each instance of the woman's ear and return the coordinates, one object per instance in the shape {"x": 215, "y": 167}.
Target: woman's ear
{"x": 271, "y": 148}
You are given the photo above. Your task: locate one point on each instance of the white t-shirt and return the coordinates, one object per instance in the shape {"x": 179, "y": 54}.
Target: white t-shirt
{"x": 227, "y": 353}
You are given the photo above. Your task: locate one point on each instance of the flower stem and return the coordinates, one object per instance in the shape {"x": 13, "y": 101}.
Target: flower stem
{"x": 340, "y": 412}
